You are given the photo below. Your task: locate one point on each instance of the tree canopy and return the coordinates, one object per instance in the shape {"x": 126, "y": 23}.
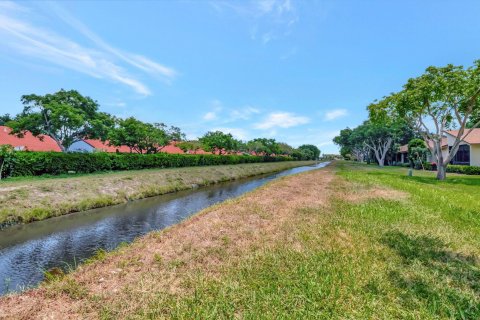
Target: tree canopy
{"x": 441, "y": 99}
{"x": 315, "y": 152}
{"x": 217, "y": 141}
{"x": 65, "y": 116}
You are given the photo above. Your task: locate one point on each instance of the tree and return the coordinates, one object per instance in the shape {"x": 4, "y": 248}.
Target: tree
{"x": 139, "y": 136}
{"x": 65, "y": 116}
{"x": 285, "y": 148}
{"x": 7, "y": 157}
{"x": 173, "y": 133}
{"x": 217, "y": 141}
{"x": 263, "y": 145}
{"x": 187, "y": 146}
{"x": 417, "y": 152}
{"x": 314, "y": 150}
{"x": 4, "y": 119}
{"x": 351, "y": 142}
{"x": 442, "y": 98}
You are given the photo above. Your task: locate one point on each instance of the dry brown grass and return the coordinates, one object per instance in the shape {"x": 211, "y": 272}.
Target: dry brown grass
{"x": 38, "y": 199}
{"x": 168, "y": 261}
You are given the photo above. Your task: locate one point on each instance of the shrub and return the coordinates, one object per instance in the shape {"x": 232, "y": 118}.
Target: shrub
{"x": 470, "y": 170}
{"x": 55, "y": 163}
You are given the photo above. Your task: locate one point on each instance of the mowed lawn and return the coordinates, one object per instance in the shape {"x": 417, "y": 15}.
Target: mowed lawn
{"x": 347, "y": 242}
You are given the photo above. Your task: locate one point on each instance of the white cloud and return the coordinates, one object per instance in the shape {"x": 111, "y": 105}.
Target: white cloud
{"x": 217, "y": 107}
{"x": 136, "y": 60}
{"x": 281, "y": 120}
{"x": 335, "y": 114}
{"x": 209, "y": 116}
{"x": 43, "y": 44}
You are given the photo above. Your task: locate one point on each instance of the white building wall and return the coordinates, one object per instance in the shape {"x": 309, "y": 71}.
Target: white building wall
{"x": 475, "y": 155}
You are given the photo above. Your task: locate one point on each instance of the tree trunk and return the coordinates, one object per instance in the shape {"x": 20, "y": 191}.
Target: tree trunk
{"x": 1, "y": 169}
{"x": 441, "y": 171}
{"x": 381, "y": 162}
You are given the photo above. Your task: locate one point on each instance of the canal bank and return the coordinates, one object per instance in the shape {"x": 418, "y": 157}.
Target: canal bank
{"x": 37, "y": 198}
{"x": 26, "y": 251}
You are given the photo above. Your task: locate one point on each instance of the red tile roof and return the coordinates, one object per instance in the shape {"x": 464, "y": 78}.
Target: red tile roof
{"x": 28, "y": 142}
{"x": 171, "y": 148}
{"x": 472, "y": 137}
{"x": 105, "y": 147}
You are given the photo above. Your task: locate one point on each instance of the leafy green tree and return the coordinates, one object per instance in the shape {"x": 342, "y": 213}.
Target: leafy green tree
{"x": 173, "y": 133}
{"x": 65, "y": 116}
{"x": 217, "y": 141}
{"x": 4, "y": 119}
{"x": 417, "y": 152}
{"x": 285, "y": 148}
{"x": 140, "y": 137}
{"x": 442, "y": 98}
{"x": 263, "y": 145}
{"x": 7, "y": 157}
{"x": 351, "y": 142}
{"x": 314, "y": 150}
{"x": 187, "y": 146}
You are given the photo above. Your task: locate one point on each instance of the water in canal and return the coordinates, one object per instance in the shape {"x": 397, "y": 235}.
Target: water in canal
{"x": 27, "y": 250}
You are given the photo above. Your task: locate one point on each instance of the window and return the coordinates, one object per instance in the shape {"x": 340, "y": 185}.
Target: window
{"x": 462, "y": 156}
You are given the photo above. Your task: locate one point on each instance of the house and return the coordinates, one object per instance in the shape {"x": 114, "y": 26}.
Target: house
{"x": 468, "y": 152}
{"x": 28, "y": 142}
{"x": 91, "y": 145}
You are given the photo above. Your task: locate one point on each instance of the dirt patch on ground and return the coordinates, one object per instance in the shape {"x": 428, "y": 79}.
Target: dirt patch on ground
{"x": 167, "y": 261}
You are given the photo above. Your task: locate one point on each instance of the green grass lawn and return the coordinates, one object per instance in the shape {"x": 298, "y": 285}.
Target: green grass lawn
{"x": 413, "y": 258}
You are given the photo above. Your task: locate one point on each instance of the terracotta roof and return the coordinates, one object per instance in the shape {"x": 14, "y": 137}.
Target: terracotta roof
{"x": 444, "y": 143}
{"x": 472, "y": 138}
{"x": 28, "y": 142}
{"x": 171, "y": 148}
{"x": 103, "y": 146}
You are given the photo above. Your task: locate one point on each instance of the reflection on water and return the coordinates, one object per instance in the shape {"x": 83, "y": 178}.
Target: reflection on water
{"x": 27, "y": 250}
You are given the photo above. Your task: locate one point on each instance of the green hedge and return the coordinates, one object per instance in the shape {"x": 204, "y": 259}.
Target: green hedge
{"x": 452, "y": 168}
{"x": 55, "y": 163}
{"x": 470, "y": 170}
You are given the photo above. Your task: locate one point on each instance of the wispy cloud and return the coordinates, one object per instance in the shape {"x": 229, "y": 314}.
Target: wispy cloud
{"x": 217, "y": 107}
{"x": 281, "y": 120}
{"x": 244, "y": 113}
{"x": 99, "y": 61}
{"x": 268, "y": 19}
{"x": 335, "y": 114}
{"x": 226, "y": 115}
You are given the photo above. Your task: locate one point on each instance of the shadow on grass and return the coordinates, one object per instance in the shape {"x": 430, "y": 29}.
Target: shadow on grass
{"x": 444, "y": 282}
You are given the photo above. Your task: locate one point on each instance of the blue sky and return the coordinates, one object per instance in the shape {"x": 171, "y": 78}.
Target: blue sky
{"x": 297, "y": 71}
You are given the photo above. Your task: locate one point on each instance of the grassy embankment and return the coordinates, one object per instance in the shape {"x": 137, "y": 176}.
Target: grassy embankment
{"x": 36, "y": 198}
{"x": 349, "y": 241}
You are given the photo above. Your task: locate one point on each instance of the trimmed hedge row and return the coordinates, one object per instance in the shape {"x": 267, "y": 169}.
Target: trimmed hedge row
{"x": 470, "y": 170}
{"x": 453, "y": 168}
{"x": 55, "y": 163}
